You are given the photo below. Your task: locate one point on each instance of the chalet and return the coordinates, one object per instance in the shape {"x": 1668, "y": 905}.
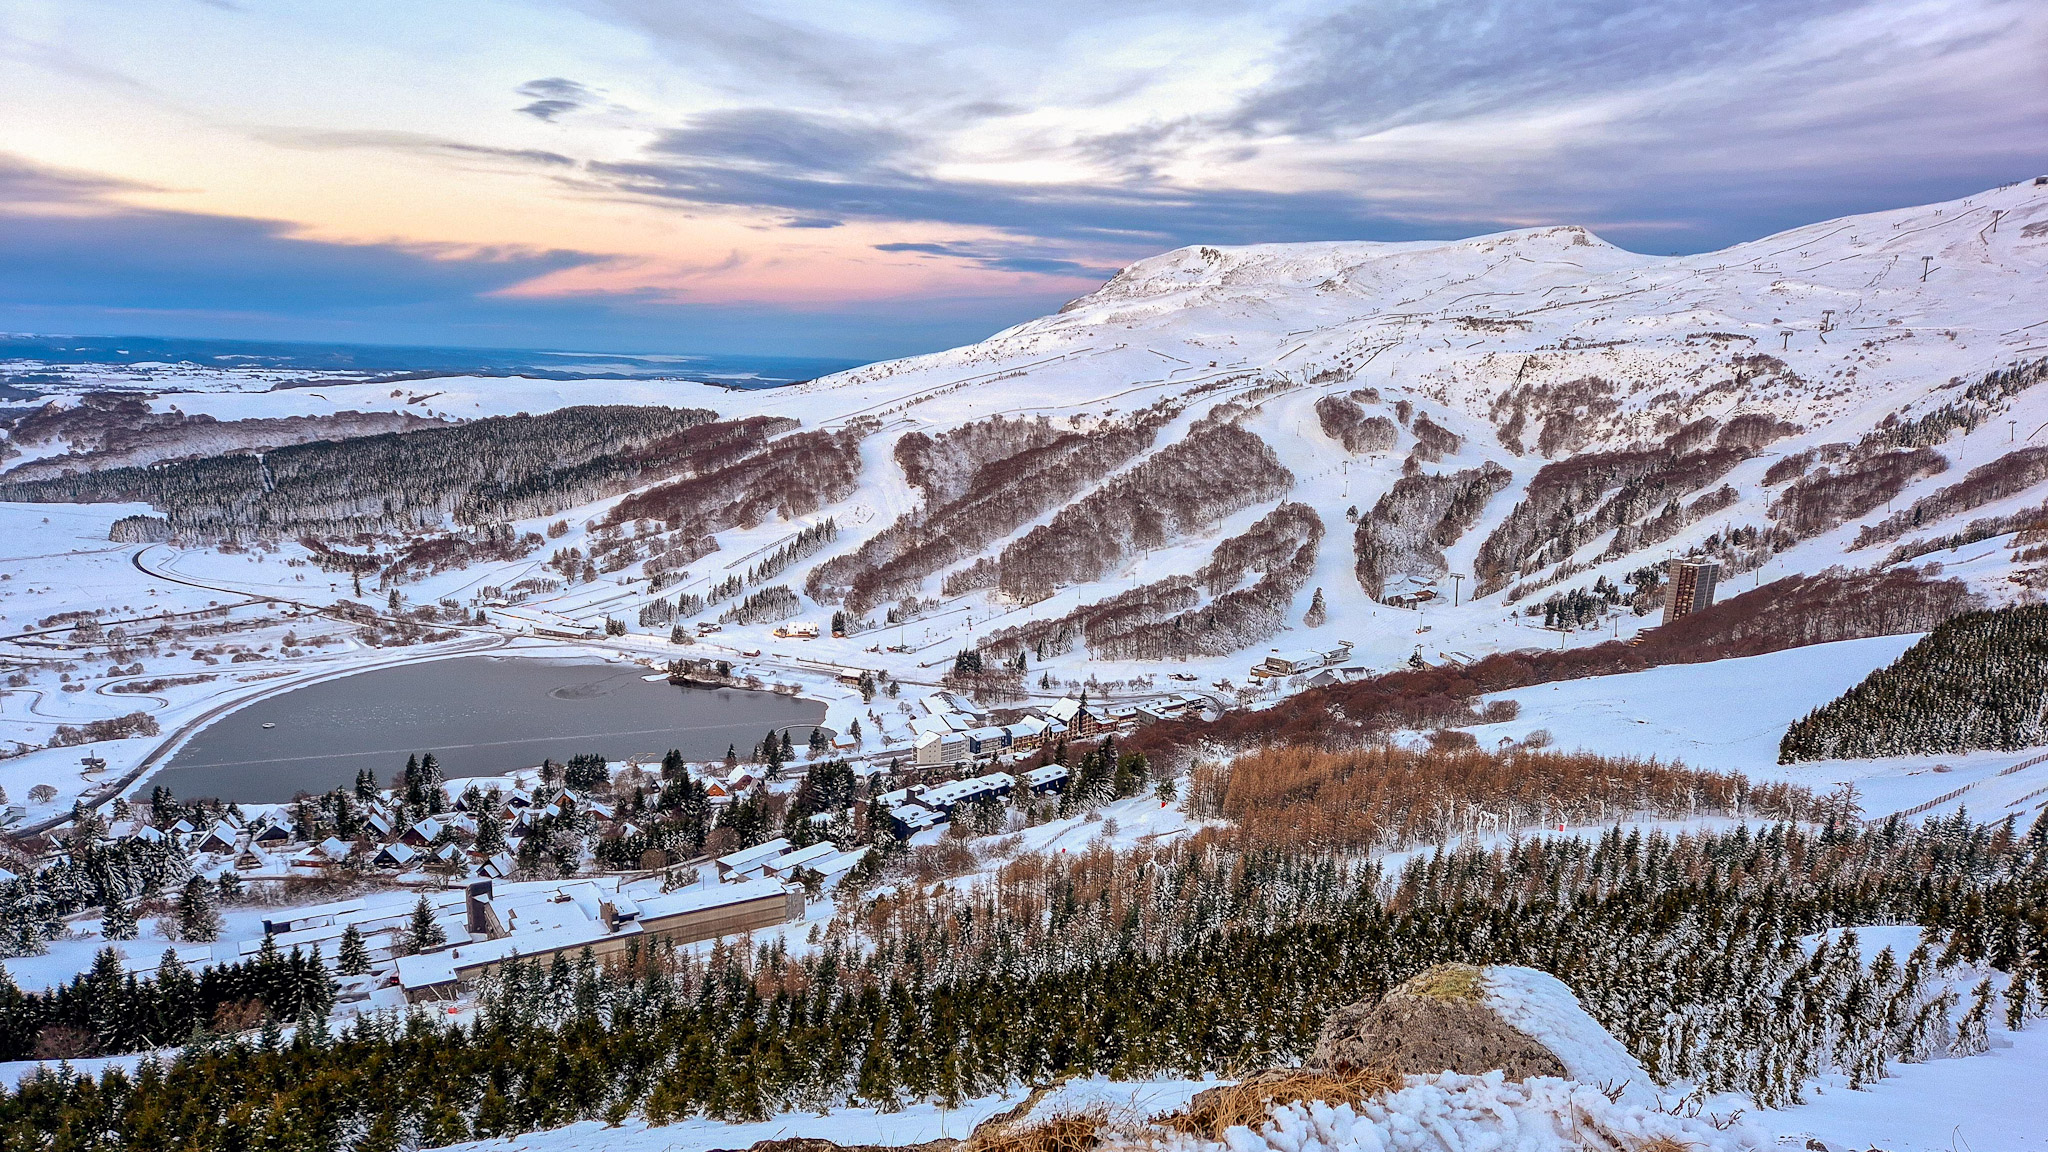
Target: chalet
{"x": 399, "y": 855}
{"x": 1082, "y": 720}
{"x": 831, "y": 868}
{"x": 421, "y": 834}
{"x": 945, "y": 797}
{"x": 219, "y": 839}
{"x": 1289, "y": 663}
{"x": 1028, "y": 734}
{"x": 784, "y": 867}
{"x": 272, "y": 836}
{"x": 731, "y": 786}
{"x": 1120, "y": 716}
{"x": 1407, "y": 592}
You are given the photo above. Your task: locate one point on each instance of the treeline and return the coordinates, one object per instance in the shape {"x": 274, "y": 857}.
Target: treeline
{"x": 2009, "y": 475}
{"x": 793, "y": 477}
{"x": 91, "y": 874}
{"x": 484, "y": 471}
{"x": 1408, "y": 529}
{"x": 1938, "y": 425}
{"x": 1830, "y": 496}
{"x": 1979, "y": 680}
{"x": 809, "y": 542}
{"x": 1788, "y": 613}
{"x": 1574, "y": 500}
{"x": 106, "y": 1010}
{"x": 1218, "y": 469}
{"x": 1196, "y": 957}
{"x": 1165, "y": 620}
{"x": 985, "y": 480}
{"x": 109, "y": 728}
{"x": 766, "y": 606}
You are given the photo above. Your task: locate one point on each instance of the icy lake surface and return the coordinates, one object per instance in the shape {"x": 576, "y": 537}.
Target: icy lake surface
{"x": 480, "y": 715}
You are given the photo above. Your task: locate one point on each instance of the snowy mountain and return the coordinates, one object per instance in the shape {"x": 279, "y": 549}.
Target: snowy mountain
{"x": 1567, "y": 413}
{"x": 1496, "y": 421}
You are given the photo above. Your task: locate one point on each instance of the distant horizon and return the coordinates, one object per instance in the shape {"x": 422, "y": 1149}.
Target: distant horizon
{"x": 399, "y": 346}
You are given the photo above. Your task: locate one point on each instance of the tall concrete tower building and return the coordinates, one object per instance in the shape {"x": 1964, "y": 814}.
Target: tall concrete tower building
{"x": 1692, "y": 587}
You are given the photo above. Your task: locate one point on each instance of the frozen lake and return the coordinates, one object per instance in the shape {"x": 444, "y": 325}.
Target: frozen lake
{"x": 481, "y": 715}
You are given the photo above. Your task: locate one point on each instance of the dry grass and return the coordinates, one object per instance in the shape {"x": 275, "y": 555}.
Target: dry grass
{"x": 1077, "y": 1131}
{"x": 1218, "y": 1110}
{"x": 1451, "y": 983}
{"x": 1666, "y": 1144}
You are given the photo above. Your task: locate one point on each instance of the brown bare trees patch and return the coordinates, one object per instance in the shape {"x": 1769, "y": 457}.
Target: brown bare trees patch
{"x": 976, "y": 495}
{"x": 2009, "y": 475}
{"x": 1826, "y": 498}
{"x": 792, "y": 477}
{"x": 1382, "y": 797}
{"x": 1218, "y": 469}
{"x": 1165, "y": 620}
{"x": 1345, "y": 420}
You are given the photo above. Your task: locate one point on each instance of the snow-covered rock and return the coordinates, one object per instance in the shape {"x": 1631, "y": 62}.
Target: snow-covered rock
{"x": 1450, "y": 1112}
{"x": 1459, "y": 1018}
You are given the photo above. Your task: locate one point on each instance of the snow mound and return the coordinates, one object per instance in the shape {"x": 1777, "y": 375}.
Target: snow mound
{"x": 1542, "y": 1008}
{"x": 1450, "y": 1112}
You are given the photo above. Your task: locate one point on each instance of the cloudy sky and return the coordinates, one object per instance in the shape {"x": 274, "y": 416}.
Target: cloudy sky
{"x": 874, "y": 177}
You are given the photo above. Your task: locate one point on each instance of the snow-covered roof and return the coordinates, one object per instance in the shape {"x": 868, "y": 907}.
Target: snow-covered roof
{"x": 798, "y": 857}
{"x": 747, "y": 859}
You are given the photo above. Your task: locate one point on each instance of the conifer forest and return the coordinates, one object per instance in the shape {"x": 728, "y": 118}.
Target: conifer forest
{"x": 1203, "y": 956}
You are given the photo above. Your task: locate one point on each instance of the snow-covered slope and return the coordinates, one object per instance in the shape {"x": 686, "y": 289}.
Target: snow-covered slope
{"x": 1829, "y": 330}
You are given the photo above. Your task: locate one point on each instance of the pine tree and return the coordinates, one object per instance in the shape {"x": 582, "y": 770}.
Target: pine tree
{"x": 1318, "y": 614}
{"x": 422, "y": 932}
{"x": 119, "y": 921}
{"x": 354, "y": 957}
{"x": 1973, "y": 1031}
{"x": 198, "y": 919}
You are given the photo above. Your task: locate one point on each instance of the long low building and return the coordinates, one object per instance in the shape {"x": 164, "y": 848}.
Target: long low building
{"x": 583, "y": 916}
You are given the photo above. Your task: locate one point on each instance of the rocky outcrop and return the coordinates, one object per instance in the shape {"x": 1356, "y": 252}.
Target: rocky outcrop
{"x": 1439, "y": 1021}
